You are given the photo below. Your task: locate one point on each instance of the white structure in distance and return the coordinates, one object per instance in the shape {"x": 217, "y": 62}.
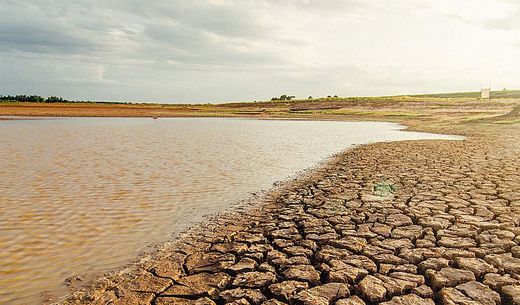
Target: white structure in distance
{"x": 485, "y": 93}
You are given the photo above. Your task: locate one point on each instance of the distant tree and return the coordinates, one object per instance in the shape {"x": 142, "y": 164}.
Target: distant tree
{"x": 55, "y": 99}
{"x": 310, "y": 97}
{"x": 335, "y": 96}
{"x": 22, "y": 98}
{"x": 283, "y": 97}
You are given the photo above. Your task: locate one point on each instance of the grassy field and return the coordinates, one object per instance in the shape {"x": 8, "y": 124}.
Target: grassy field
{"x": 436, "y": 108}
{"x": 495, "y": 94}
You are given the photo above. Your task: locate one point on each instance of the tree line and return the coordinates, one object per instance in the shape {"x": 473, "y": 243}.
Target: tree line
{"x": 32, "y": 99}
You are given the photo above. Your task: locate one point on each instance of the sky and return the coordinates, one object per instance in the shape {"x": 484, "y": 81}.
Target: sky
{"x": 198, "y": 51}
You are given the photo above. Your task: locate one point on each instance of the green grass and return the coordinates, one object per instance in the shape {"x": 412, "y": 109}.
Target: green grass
{"x": 407, "y": 114}
{"x": 494, "y": 94}
{"x": 384, "y": 189}
{"x": 508, "y": 122}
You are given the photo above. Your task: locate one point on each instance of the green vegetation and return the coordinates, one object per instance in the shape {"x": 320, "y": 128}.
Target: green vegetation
{"x": 24, "y": 98}
{"x": 494, "y": 94}
{"x": 333, "y": 102}
{"x": 384, "y": 189}
{"x": 283, "y": 97}
{"x": 509, "y": 122}
{"x": 405, "y": 108}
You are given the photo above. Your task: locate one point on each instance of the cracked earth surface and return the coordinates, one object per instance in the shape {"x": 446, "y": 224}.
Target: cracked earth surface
{"x": 450, "y": 234}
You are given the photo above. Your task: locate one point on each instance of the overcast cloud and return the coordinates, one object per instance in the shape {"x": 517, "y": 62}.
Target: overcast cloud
{"x": 222, "y": 50}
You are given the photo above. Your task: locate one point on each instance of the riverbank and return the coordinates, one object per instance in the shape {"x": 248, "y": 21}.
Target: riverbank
{"x": 403, "y": 109}
{"x": 412, "y": 222}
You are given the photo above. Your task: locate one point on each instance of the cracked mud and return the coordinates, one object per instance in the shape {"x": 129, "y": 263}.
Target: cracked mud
{"x": 448, "y": 234}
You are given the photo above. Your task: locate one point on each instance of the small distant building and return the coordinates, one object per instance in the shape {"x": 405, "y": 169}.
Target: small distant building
{"x": 485, "y": 93}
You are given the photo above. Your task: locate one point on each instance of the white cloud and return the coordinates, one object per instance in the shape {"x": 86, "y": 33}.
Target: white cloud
{"x": 218, "y": 50}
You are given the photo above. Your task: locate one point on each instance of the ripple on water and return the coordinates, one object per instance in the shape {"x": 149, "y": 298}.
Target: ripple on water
{"x": 84, "y": 195}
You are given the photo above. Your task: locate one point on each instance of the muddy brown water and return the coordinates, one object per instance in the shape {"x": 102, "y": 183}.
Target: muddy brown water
{"x": 80, "y": 196}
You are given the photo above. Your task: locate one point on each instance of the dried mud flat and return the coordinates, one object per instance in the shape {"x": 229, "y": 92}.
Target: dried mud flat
{"x": 447, "y": 233}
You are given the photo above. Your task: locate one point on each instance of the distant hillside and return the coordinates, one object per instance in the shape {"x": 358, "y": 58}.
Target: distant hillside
{"x": 494, "y": 94}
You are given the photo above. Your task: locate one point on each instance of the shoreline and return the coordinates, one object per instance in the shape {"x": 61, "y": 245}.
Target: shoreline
{"x": 119, "y": 286}
{"x": 198, "y": 287}
{"x": 79, "y": 281}
{"x": 232, "y": 214}
{"x": 252, "y": 202}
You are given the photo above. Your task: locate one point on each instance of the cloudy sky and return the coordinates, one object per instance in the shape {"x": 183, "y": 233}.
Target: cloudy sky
{"x": 222, "y": 50}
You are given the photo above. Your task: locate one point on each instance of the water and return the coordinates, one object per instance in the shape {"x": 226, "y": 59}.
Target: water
{"x": 84, "y": 195}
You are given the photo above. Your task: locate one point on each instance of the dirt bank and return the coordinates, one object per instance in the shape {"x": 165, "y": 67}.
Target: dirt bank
{"x": 402, "y": 108}
{"x": 418, "y": 222}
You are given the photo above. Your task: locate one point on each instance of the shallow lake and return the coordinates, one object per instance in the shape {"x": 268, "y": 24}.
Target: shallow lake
{"x": 83, "y": 195}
